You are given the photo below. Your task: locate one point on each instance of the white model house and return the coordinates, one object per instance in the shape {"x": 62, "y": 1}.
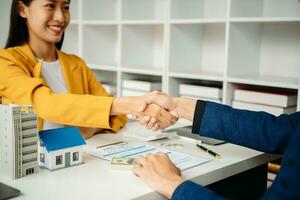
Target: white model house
{"x": 59, "y": 148}
{"x": 18, "y": 141}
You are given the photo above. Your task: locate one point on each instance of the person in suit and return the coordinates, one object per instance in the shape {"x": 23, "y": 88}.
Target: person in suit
{"x": 60, "y": 86}
{"x": 256, "y": 130}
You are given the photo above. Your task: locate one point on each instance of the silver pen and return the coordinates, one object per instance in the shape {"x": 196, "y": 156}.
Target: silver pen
{"x": 107, "y": 145}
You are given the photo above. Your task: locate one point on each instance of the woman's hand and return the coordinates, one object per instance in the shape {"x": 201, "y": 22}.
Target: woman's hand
{"x": 158, "y": 171}
{"x": 158, "y": 98}
{"x": 163, "y": 100}
{"x": 159, "y": 118}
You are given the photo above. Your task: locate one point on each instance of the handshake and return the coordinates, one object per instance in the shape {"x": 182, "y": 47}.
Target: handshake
{"x": 156, "y": 110}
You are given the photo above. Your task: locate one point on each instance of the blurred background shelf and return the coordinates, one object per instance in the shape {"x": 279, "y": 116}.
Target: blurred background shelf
{"x": 143, "y": 9}
{"x": 199, "y": 9}
{"x": 265, "y": 8}
{"x": 98, "y": 9}
{"x": 227, "y": 44}
{"x": 265, "y": 80}
{"x": 99, "y": 44}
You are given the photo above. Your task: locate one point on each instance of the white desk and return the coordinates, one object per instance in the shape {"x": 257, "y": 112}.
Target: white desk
{"x": 95, "y": 180}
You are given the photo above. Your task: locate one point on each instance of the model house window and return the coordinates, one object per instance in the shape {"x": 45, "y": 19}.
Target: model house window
{"x": 75, "y": 156}
{"x": 59, "y": 160}
{"x": 29, "y": 171}
{"x": 41, "y": 143}
{"x": 42, "y": 157}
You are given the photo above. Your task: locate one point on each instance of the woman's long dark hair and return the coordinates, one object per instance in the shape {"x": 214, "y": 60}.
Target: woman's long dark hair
{"x": 18, "y": 30}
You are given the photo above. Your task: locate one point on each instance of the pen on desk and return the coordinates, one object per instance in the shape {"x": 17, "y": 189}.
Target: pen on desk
{"x": 216, "y": 155}
{"x": 106, "y": 145}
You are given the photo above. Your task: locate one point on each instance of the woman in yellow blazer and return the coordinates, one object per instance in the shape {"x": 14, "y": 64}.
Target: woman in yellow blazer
{"x": 36, "y": 33}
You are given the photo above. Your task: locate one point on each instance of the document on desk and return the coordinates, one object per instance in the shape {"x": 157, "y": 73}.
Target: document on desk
{"x": 182, "y": 160}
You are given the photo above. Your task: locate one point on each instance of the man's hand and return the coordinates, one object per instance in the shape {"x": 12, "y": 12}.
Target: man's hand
{"x": 161, "y": 99}
{"x": 179, "y": 107}
{"x": 158, "y": 117}
{"x": 158, "y": 171}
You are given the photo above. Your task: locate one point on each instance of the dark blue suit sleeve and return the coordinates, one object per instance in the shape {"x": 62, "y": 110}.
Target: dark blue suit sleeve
{"x": 189, "y": 190}
{"x": 256, "y": 130}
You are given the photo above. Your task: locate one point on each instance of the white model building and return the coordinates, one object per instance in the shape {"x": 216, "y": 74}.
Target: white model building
{"x": 59, "y": 148}
{"x": 18, "y": 141}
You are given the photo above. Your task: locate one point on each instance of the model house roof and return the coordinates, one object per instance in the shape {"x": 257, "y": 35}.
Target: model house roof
{"x": 61, "y": 138}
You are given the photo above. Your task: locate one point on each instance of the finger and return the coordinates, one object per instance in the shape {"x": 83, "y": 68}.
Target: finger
{"x": 143, "y": 106}
{"x": 155, "y": 92}
{"x": 141, "y": 161}
{"x": 164, "y": 117}
{"x": 151, "y": 123}
{"x": 164, "y": 123}
{"x": 150, "y": 98}
{"x": 168, "y": 116}
{"x": 162, "y": 154}
{"x": 155, "y": 127}
{"x": 151, "y": 158}
{"x": 135, "y": 117}
{"x": 145, "y": 120}
{"x": 147, "y": 100}
{"x": 152, "y": 110}
{"x": 136, "y": 170}
{"x": 175, "y": 113}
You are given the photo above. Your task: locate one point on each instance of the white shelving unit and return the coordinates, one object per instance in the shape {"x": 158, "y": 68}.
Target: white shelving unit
{"x": 199, "y": 9}
{"x": 71, "y": 41}
{"x": 103, "y": 48}
{"x": 228, "y": 43}
{"x": 265, "y": 52}
{"x": 143, "y": 10}
{"x": 265, "y": 9}
{"x": 143, "y": 47}
{"x": 198, "y": 49}
{"x": 98, "y": 10}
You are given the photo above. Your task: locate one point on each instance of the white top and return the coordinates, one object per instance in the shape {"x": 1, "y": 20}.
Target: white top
{"x": 52, "y": 74}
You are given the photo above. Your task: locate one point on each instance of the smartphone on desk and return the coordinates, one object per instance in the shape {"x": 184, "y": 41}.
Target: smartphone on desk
{"x": 186, "y": 131}
{"x": 7, "y": 192}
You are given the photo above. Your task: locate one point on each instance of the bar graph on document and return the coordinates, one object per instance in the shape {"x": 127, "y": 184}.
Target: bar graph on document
{"x": 182, "y": 160}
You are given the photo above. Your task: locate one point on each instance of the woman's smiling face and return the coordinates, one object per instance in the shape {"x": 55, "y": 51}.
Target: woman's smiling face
{"x": 46, "y": 19}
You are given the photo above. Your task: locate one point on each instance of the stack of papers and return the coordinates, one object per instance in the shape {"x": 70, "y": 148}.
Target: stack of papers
{"x": 276, "y": 103}
{"x": 138, "y": 87}
{"x": 207, "y": 93}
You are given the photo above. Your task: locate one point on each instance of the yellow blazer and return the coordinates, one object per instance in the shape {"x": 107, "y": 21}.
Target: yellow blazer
{"x": 86, "y": 104}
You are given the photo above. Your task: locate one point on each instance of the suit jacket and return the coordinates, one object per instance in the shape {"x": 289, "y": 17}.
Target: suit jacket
{"x": 86, "y": 104}
{"x": 257, "y": 130}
